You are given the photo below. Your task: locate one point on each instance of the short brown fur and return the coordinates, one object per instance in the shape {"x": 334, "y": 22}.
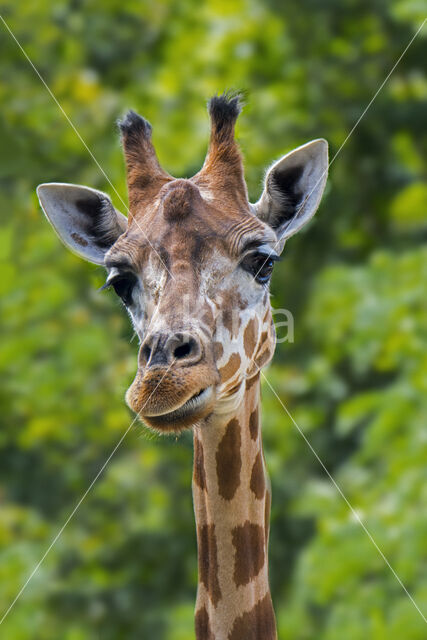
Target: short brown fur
{"x": 257, "y": 624}
{"x": 257, "y": 483}
{"x": 229, "y": 461}
{"x": 208, "y": 561}
{"x": 249, "y": 544}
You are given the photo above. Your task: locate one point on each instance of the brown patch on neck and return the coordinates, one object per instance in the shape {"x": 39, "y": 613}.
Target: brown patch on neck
{"x": 254, "y": 423}
{"x": 267, "y": 509}
{"x": 199, "y": 473}
{"x": 229, "y": 461}
{"x": 257, "y": 624}
{"x": 250, "y": 337}
{"x": 203, "y": 629}
{"x": 208, "y": 561}
{"x": 257, "y": 483}
{"x": 232, "y": 366}
{"x": 249, "y": 542}
{"x": 251, "y": 381}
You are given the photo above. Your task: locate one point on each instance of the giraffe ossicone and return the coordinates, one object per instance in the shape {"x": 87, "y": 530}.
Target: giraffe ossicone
{"x": 192, "y": 264}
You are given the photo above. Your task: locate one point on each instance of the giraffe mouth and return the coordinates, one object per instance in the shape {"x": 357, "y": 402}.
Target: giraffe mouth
{"x": 188, "y": 413}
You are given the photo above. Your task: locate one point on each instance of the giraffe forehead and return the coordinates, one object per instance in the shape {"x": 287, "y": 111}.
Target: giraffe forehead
{"x": 191, "y": 247}
{"x": 186, "y": 248}
{"x": 183, "y": 216}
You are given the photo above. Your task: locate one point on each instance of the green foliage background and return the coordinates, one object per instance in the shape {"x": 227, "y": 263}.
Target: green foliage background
{"x": 355, "y": 379}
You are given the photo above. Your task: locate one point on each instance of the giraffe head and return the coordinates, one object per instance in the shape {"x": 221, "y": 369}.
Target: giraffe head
{"x": 192, "y": 262}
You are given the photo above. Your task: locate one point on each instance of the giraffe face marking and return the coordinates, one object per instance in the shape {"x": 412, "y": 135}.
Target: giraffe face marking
{"x": 249, "y": 544}
{"x": 208, "y": 561}
{"x": 228, "y": 370}
{"x": 218, "y": 350}
{"x": 250, "y": 337}
{"x": 257, "y": 623}
{"x": 229, "y": 461}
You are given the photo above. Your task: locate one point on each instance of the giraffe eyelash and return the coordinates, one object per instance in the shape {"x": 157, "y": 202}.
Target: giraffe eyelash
{"x": 260, "y": 265}
{"x": 123, "y": 284}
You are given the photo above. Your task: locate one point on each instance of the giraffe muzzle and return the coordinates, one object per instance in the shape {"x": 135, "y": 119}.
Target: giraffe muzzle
{"x": 162, "y": 349}
{"x": 175, "y": 385}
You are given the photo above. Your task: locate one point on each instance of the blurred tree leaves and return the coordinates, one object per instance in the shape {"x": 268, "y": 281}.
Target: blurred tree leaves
{"x": 355, "y": 379}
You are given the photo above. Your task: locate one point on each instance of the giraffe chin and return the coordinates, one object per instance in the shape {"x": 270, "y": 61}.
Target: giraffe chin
{"x": 173, "y": 399}
{"x": 199, "y": 406}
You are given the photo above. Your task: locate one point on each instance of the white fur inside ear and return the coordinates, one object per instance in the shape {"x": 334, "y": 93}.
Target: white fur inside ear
{"x": 84, "y": 218}
{"x": 293, "y": 188}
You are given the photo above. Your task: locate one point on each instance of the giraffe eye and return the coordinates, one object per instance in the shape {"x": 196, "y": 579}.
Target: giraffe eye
{"x": 260, "y": 266}
{"x": 123, "y": 286}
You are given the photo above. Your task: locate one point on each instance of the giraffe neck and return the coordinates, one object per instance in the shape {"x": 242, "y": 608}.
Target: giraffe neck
{"x": 232, "y": 505}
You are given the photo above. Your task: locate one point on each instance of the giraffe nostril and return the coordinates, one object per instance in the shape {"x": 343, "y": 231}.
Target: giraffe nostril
{"x": 146, "y": 352}
{"x": 162, "y": 349}
{"x": 182, "y": 350}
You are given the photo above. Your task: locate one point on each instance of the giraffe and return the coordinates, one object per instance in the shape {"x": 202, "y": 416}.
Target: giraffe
{"x": 192, "y": 264}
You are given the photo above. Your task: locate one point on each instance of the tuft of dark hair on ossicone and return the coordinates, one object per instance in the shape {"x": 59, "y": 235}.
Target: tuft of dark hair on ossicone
{"x": 224, "y": 111}
{"x": 132, "y": 124}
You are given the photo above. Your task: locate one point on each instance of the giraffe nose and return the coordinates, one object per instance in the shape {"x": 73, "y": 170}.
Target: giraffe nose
{"x": 162, "y": 349}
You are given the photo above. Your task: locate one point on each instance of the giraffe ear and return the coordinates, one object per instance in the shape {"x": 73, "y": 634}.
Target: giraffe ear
{"x": 293, "y": 189}
{"x": 84, "y": 218}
